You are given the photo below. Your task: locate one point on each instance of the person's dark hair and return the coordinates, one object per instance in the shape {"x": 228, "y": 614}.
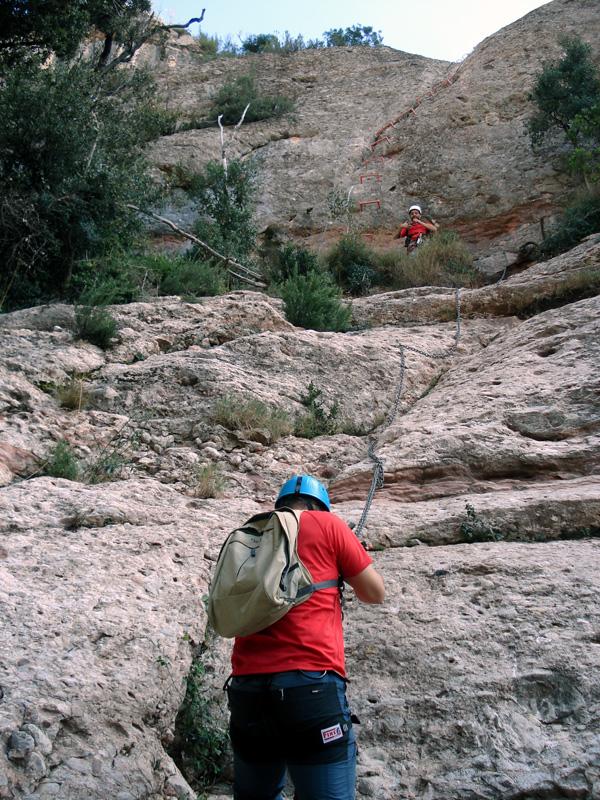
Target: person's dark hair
{"x": 302, "y": 502}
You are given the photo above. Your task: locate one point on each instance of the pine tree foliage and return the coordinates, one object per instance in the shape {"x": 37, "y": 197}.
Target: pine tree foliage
{"x": 563, "y": 90}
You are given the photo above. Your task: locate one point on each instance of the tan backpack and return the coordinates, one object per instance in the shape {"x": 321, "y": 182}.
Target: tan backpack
{"x": 259, "y": 577}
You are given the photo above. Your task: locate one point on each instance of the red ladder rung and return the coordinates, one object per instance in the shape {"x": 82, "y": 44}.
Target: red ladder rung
{"x": 379, "y": 141}
{"x": 363, "y": 203}
{"x": 376, "y": 159}
{"x": 374, "y": 175}
{"x": 385, "y": 127}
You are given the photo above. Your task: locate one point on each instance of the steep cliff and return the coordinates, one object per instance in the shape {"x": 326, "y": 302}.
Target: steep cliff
{"x": 458, "y": 142}
{"x": 479, "y": 677}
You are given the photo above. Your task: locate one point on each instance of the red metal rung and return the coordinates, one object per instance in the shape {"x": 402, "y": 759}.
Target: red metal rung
{"x": 374, "y": 175}
{"x": 369, "y": 203}
{"x": 385, "y": 127}
{"x": 376, "y": 159}
{"x": 368, "y": 236}
{"x": 379, "y": 141}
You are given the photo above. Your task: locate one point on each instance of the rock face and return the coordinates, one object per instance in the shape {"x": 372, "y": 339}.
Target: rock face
{"x": 450, "y": 136}
{"x": 479, "y": 675}
{"x": 481, "y": 647}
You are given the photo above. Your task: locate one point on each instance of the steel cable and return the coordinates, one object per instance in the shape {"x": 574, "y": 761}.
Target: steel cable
{"x": 377, "y": 481}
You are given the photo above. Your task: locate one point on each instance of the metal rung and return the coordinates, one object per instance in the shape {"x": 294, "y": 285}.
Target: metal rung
{"x": 385, "y": 127}
{"x": 373, "y": 175}
{"x": 379, "y": 141}
{"x": 363, "y": 203}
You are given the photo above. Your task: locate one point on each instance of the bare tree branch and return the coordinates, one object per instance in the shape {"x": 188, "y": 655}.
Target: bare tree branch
{"x": 223, "y": 156}
{"x": 237, "y": 127}
{"x": 242, "y": 118}
{"x": 187, "y": 24}
{"x": 207, "y": 248}
{"x": 136, "y": 40}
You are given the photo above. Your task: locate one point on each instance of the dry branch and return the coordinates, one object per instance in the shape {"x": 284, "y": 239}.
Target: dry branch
{"x": 254, "y": 278}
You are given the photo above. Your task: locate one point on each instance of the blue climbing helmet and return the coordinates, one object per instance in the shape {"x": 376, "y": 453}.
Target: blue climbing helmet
{"x": 306, "y": 486}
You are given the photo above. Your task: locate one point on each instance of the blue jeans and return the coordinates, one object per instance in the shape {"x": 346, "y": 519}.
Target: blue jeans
{"x": 297, "y": 720}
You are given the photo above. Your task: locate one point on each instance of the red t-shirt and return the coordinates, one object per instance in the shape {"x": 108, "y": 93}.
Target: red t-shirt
{"x": 310, "y": 636}
{"x": 413, "y": 230}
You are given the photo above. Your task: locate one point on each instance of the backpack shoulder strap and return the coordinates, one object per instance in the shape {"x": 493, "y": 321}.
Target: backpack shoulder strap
{"x": 314, "y": 587}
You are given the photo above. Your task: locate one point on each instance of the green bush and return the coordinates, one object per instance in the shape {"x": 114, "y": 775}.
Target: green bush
{"x": 232, "y": 98}
{"x": 95, "y": 325}
{"x": 292, "y": 260}
{"x": 227, "y": 47}
{"x": 293, "y": 44}
{"x": 207, "y": 481}
{"x": 108, "y": 467}
{"x": 61, "y": 462}
{"x": 114, "y": 278}
{"x": 261, "y": 43}
{"x": 442, "y": 260}
{"x": 73, "y": 394}
{"x": 252, "y": 418}
{"x": 578, "y": 220}
{"x": 478, "y": 529}
{"x": 318, "y": 421}
{"x": 272, "y": 43}
{"x": 352, "y": 264}
{"x": 208, "y": 44}
{"x": 114, "y": 458}
{"x": 356, "y": 35}
{"x": 123, "y": 277}
{"x": 313, "y": 301}
{"x": 191, "y": 279}
{"x": 200, "y": 742}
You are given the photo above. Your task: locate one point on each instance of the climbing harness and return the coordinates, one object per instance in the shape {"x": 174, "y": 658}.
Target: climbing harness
{"x": 377, "y": 480}
{"x": 412, "y": 244}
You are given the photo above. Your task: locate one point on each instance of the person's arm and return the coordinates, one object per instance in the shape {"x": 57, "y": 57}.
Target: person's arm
{"x": 402, "y": 232}
{"x": 430, "y": 224}
{"x": 368, "y": 586}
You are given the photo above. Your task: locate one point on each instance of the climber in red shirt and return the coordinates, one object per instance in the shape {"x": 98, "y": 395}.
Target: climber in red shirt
{"x": 287, "y": 690}
{"x": 414, "y": 230}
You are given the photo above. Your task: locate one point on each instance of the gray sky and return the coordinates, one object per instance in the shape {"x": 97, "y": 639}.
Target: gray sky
{"x": 446, "y": 29}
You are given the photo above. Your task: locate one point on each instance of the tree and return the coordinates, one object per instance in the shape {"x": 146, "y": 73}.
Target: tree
{"x": 35, "y": 28}
{"x": 71, "y": 160}
{"x": 563, "y": 90}
{"x": 261, "y": 43}
{"x": 225, "y": 201}
{"x": 585, "y": 159}
{"x": 357, "y": 35}
{"x": 71, "y": 139}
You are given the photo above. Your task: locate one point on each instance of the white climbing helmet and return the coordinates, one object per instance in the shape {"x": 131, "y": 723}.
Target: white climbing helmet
{"x": 415, "y": 208}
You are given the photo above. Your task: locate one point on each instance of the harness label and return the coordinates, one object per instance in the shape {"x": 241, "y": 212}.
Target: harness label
{"x": 331, "y": 734}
